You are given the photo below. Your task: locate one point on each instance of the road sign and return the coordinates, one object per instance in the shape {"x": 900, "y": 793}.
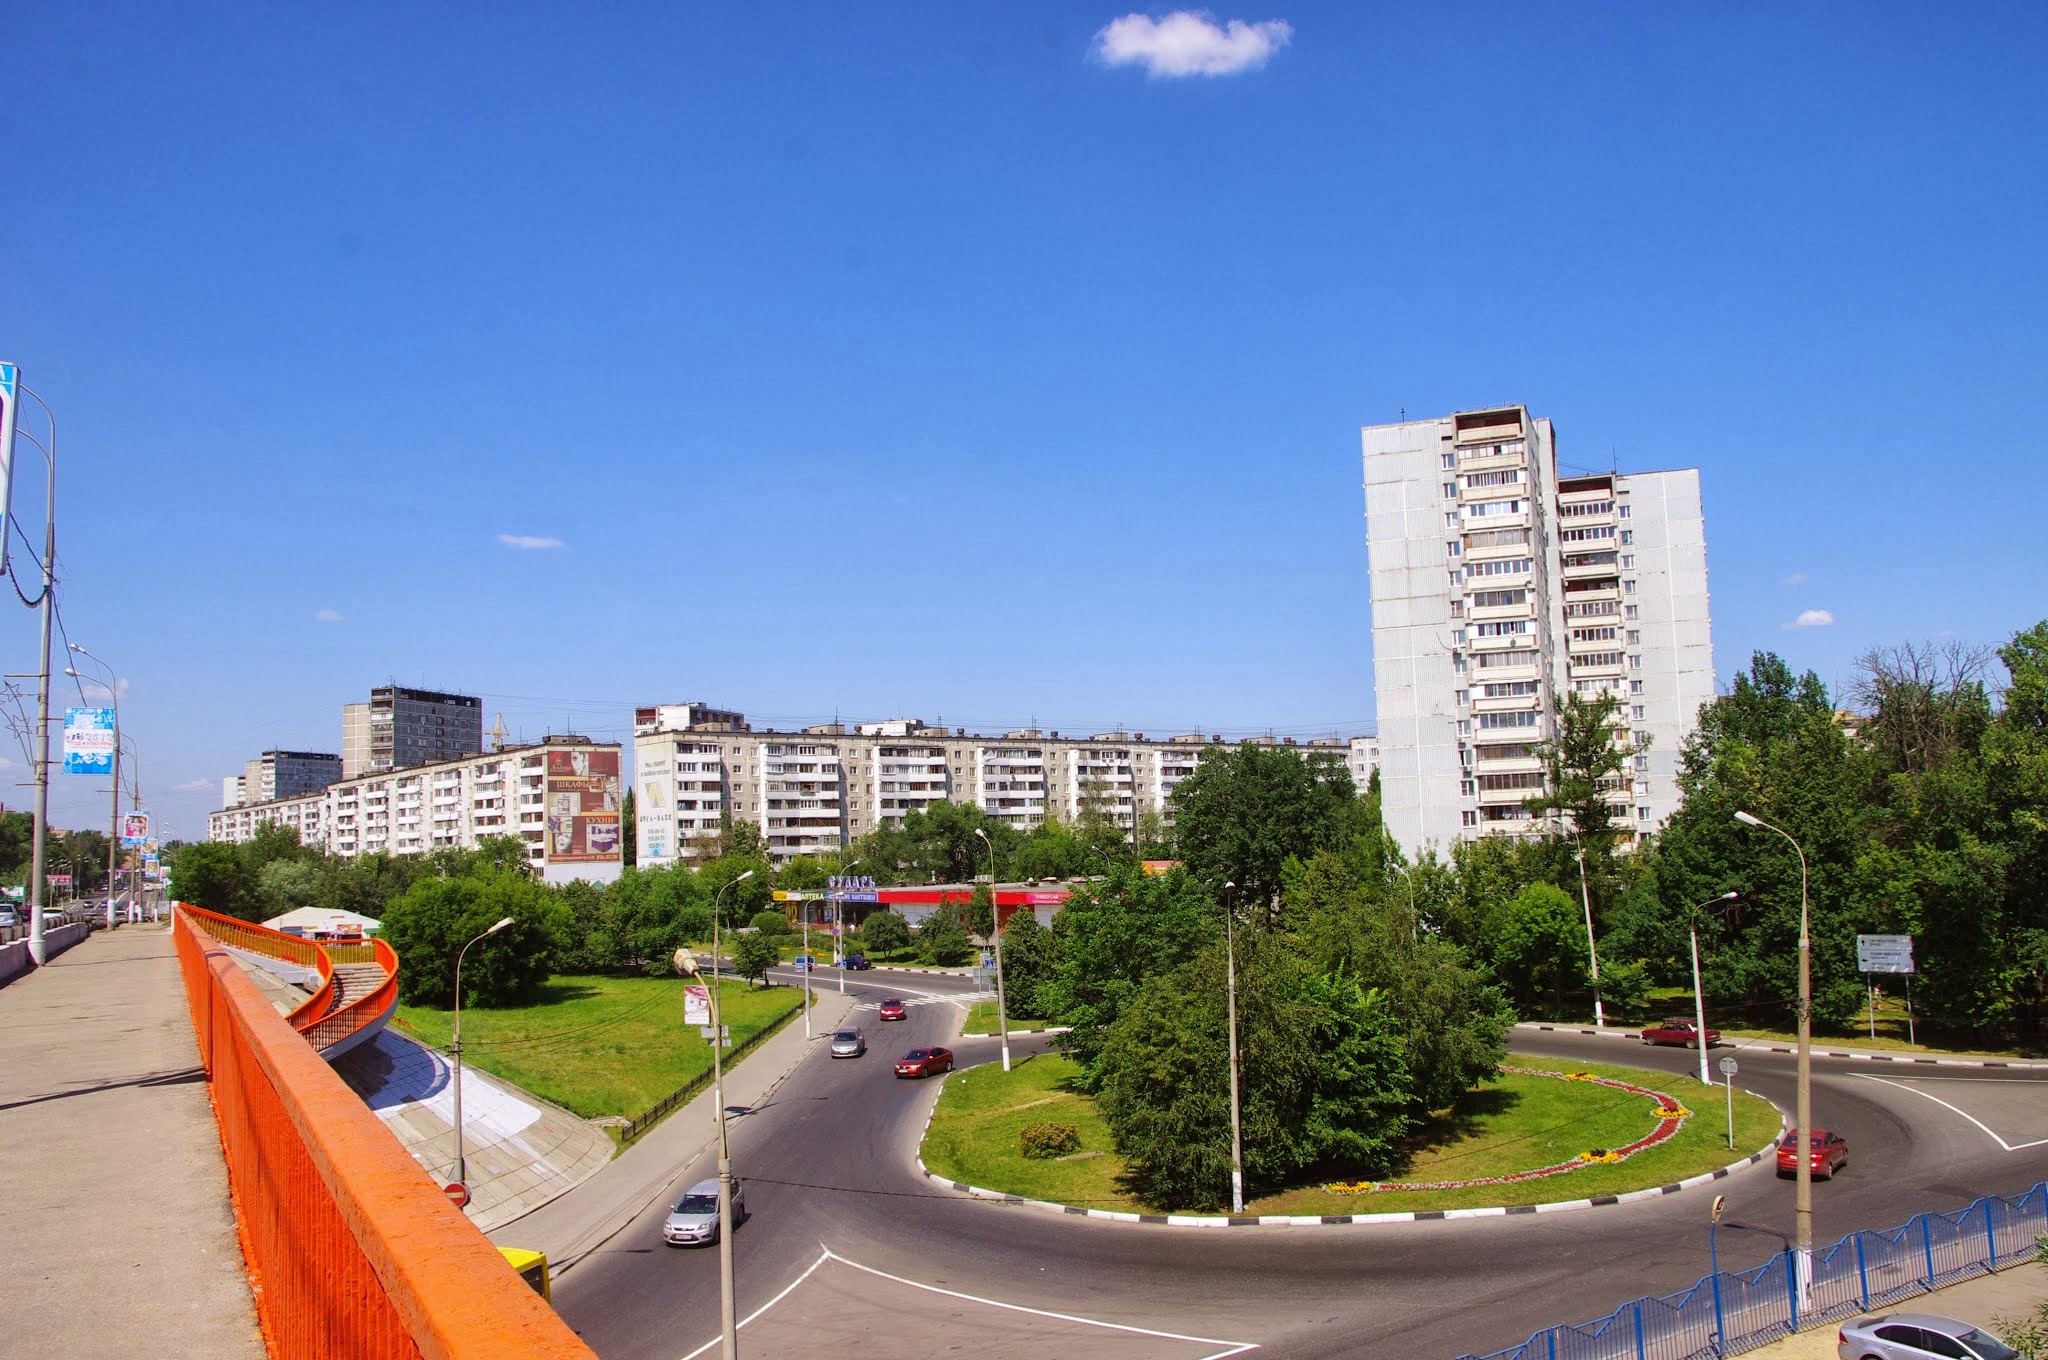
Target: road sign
{"x": 1884, "y": 953}
{"x": 457, "y": 1192}
{"x": 1728, "y": 1067}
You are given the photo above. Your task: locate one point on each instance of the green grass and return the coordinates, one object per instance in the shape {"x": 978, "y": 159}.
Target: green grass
{"x": 598, "y": 1045}
{"x": 1515, "y": 1123}
{"x": 981, "y": 1019}
{"x": 973, "y": 1137}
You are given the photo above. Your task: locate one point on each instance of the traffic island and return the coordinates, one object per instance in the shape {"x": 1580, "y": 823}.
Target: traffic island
{"x": 1531, "y": 1139}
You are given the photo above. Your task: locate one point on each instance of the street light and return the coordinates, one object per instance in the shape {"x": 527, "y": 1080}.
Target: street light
{"x": 995, "y": 917}
{"x": 838, "y": 920}
{"x": 1230, "y": 993}
{"x": 686, "y": 962}
{"x": 114, "y": 820}
{"x": 455, "y": 1047}
{"x": 1802, "y": 1202}
{"x": 1699, "y": 998}
{"x": 1592, "y": 950}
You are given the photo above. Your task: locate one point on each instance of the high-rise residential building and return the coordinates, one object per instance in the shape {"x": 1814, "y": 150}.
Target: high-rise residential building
{"x": 400, "y": 727}
{"x": 281, "y": 774}
{"x": 1499, "y": 585}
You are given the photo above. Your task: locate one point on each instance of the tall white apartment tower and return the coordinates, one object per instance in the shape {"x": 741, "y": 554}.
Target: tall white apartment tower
{"x": 1498, "y": 586}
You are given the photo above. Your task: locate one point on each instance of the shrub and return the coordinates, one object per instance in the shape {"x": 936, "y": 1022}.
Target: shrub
{"x": 770, "y": 922}
{"x": 1049, "y": 1139}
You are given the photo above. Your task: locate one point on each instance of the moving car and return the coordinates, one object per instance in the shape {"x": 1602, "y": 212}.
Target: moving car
{"x": 1828, "y": 1152}
{"x": 1914, "y": 1336}
{"x": 892, "y": 1008}
{"x": 1682, "y": 1032}
{"x": 694, "y": 1220}
{"x": 858, "y": 962}
{"x": 850, "y": 1042}
{"x": 925, "y": 1062}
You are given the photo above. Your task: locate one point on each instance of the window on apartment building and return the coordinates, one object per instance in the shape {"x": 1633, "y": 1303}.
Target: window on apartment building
{"x": 1629, "y": 611}
{"x": 1635, "y": 661}
{"x": 1471, "y": 817}
{"x": 1450, "y": 519}
{"x": 1464, "y": 727}
{"x": 1504, "y": 628}
{"x": 1456, "y": 578}
{"x": 1483, "y": 509}
{"x": 1458, "y": 637}
{"x": 1457, "y": 661}
{"x": 1635, "y": 687}
{"x": 1459, "y": 697}
{"x": 1641, "y": 737}
{"x": 1466, "y": 788}
{"x": 1452, "y": 549}
{"x": 1642, "y": 762}
{"x": 1504, "y": 477}
{"x": 1628, "y": 587}
{"x": 1635, "y": 637}
{"x": 1450, "y": 460}
{"x": 1622, "y": 510}
{"x": 1493, "y": 720}
{"x": 1506, "y": 566}
{"x": 1628, "y": 561}
{"x": 1450, "y": 491}
{"x": 1636, "y": 712}
{"x": 1489, "y": 599}
{"x": 1512, "y": 689}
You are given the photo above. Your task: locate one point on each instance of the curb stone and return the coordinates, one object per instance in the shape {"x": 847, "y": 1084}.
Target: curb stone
{"x": 1859, "y": 1055}
{"x": 1336, "y": 1220}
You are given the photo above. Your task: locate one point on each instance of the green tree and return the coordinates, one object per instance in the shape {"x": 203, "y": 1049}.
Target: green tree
{"x": 629, "y": 832}
{"x": 943, "y": 938}
{"x": 1030, "y": 958}
{"x": 429, "y": 924}
{"x": 1540, "y": 947}
{"x": 1588, "y": 760}
{"x": 770, "y": 922}
{"x": 1114, "y": 934}
{"x": 885, "y": 932}
{"x": 208, "y": 874}
{"x": 1247, "y": 810}
{"x": 286, "y": 885}
{"x": 754, "y": 954}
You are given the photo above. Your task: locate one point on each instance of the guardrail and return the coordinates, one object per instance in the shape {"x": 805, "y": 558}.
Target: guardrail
{"x": 1737, "y": 1311}
{"x": 357, "y": 1013}
{"x": 351, "y": 1249}
{"x": 324, "y": 1023}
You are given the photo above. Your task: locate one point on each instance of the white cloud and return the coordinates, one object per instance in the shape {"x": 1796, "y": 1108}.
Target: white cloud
{"x": 526, "y": 542}
{"x": 1812, "y": 618}
{"x": 329, "y": 615}
{"x": 1797, "y": 578}
{"x": 1190, "y": 43}
{"x": 195, "y": 786}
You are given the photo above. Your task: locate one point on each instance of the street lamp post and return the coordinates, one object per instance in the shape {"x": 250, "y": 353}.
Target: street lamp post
{"x": 455, "y": 1048}
{"x": 995, "y": 917}
{"x": 727, "y": 1313}
{"x": 1802, "y": 1203}
{"x": 1592, "y": 949}
{"x": 1699, "y": 998}
{"x": 114, "y": 818}
{"x": 1230, "y": 995}
{"x": 839, "y": 921}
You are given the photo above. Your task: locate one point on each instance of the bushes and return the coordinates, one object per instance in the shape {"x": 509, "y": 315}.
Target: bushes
{"x": 1048, "y": 1140}
{"x": 770, "y": 922}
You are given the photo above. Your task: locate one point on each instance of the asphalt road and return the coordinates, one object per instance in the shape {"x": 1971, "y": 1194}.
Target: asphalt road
{"x": 834, "y": 1192}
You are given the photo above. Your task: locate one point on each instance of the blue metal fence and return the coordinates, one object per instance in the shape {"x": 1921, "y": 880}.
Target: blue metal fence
{"x": 1739, "y": 1310}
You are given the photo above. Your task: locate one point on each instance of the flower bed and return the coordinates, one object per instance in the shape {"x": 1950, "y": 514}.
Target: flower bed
{"x": 1671, "y": 1117}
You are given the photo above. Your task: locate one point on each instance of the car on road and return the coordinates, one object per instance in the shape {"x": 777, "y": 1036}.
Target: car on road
{"x": 1828, "y": 1153}
{"x": 694, "y": 1220}
{"x": 1681, "y": 1032}
{"x": 858, "y": 962}
{"x": 9, "y": 918}
{"x": 891, "y": 1008}
{"x": 1913, "y": 1336}
{"x": 925, "y": 1062}
{"x": 850, "y": 1042}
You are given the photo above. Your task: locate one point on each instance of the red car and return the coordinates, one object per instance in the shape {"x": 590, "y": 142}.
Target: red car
{"x": 892, "y": 1008}
{"x": 925, "y": 1062}
{"x": 1828, "y": 1152}
{"x": 1681, "y": 1032}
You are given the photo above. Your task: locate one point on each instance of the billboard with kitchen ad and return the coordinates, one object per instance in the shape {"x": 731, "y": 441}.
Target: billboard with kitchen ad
{"x": 583, "y": 806}
{"x": 134, "y": 829}
{"x": 88, "y": 741}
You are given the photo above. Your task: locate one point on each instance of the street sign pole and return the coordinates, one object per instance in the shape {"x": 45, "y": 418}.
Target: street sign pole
{"x": 1728, "y": 1070}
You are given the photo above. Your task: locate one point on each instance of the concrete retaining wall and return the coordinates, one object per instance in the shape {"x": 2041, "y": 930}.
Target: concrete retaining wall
{"x": 16, "y": 961}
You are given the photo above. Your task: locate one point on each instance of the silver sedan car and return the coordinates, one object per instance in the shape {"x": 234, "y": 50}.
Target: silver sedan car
{"x": 850, "y": 1042}
{"x": 1916, "y": 1336}
{"x": 694, "y": 1220}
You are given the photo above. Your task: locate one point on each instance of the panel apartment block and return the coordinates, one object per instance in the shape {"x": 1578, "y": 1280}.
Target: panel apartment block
{"x": 1499, "y": 585}
{"x": 400, "y": 727}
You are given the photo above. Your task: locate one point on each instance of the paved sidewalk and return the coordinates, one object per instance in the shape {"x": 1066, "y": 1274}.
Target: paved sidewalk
{"x": 2012, "y": 1293}
{"x": 117, "y": 1229}
{"x": 577, "y": 1223}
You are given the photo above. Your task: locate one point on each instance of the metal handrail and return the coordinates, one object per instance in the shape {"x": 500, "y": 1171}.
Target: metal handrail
{"x": 312, "y": 1017}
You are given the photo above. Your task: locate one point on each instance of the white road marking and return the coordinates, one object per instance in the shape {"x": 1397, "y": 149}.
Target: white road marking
{"x": 1230, "y": 1347}
{"x": 1928, "y": 1095}
{"x": 827, "y": 1256}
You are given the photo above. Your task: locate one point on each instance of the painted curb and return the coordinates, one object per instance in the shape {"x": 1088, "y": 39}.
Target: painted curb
{"x": 1742, "y": 1045}
{"x": 899, "y": 968}
{"x": 1337, "y": 1220}
{"x": 1015, "y": 1033}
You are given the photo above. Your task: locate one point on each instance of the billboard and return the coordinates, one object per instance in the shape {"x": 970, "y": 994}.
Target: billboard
{"x": 697, "y": 1004}
{"x": 10, "y": 385}
{"x": 1884, "y": 953}
{"x": 88, "y": 741}
{"x": 134, "y": 828}
{"x": 583, "y": 806}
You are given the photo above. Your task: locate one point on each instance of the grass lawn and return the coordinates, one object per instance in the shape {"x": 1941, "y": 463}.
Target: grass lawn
{"x": 599, "y": 1045}
{"x": 1514, "y": 1123}
{"x": 973, "y": 1137}
{"x": 981, "y": 1019}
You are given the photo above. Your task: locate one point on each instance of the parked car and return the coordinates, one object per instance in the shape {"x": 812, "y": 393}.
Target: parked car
{"x": 858, "y": 962}
{"x": 1682, "y": 1032}
{"x": 850, "y": 1042}
{"x": 925, "y": 1062}
{"x": 694, "y": 1220}
{"x": 892, "y": 1008}
{"x": 1828, "y": 1152}
{"x": 9, "y": 918}
{"x": 1914, "y": 1336}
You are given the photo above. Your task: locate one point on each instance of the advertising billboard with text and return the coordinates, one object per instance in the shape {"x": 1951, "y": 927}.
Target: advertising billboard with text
{"x": 88, "y": 741}
{"x": 583, "y": 806}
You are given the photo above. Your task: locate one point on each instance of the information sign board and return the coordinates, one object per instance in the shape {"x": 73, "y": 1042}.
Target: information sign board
{"x": 1884, "y": 953}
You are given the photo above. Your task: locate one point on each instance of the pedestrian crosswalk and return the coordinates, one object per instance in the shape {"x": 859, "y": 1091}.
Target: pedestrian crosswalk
{"x": 952, "y": 999}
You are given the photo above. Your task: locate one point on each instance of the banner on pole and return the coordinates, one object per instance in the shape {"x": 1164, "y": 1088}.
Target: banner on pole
{"x": 134, "y": 829}
{"x": 696, "y": 1004}
{"x": 88, "y": 741}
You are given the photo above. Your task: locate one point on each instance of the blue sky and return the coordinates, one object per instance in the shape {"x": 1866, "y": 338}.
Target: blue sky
{"x": 892, "y": 359}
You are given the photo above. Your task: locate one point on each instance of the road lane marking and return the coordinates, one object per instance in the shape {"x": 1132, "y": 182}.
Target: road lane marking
{"x": 1928, "y": 1095}
{"x": 716, "y": 1340}
{"x": 1230, "y": 1347}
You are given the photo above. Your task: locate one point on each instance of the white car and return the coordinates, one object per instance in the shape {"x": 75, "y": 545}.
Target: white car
{"x": 1917, "y": 1336}
{"x": 694, "y": 1220}
{"x": 9, "y": 917}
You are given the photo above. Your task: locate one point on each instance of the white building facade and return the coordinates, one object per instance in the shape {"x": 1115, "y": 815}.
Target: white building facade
{"x": 1497, "y": 588}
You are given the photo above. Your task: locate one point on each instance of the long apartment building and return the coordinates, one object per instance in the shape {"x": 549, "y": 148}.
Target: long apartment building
{"x": 1499, "y": 585}
{"x": 814, "y": 791}
{"x": 561, "y": 797}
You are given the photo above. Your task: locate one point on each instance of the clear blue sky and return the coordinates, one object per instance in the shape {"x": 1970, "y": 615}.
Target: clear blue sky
{"x": 897, "y": 359}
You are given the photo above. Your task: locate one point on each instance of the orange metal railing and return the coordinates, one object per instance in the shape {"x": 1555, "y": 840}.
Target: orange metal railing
{"x": 312, "y": 1017}
{"x": 351, "y": 1249}
{"x": 356, "y": 1013}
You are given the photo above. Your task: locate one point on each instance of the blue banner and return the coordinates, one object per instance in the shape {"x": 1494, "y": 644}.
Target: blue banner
{"x": 88, "y": 741}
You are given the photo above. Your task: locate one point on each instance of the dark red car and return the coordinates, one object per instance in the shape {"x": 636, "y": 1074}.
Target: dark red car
{"x": 1827, "y": 1151}
{"x": 925, "y": 1062}
{"x": 1683, "y": 1033}
{"x": 892, "y": 1008}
